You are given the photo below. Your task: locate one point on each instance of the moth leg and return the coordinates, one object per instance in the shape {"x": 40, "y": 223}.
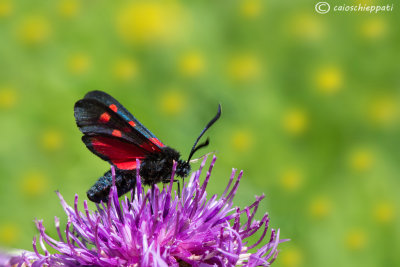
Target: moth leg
{"x": 183, "y": 183}
{"x": 179, "y": 188}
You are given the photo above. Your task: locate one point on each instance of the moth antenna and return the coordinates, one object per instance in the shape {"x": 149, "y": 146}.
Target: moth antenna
{"x": 202, "y": 157}
{"x": 204, "y": 144}
{"x": 209, "y": 124}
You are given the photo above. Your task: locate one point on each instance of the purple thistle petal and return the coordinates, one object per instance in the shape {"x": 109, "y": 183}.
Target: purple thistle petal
{"x": 57, "y": 224}
{"x": 35, "y": 248}
{"x": 229, "y": 183}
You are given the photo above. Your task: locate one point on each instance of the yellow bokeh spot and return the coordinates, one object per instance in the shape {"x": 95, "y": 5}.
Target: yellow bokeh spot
{"x": 34, "y": 30}
{"x": 172, "y": 102}
{"x": 6, "y": 8}
{"x": 356, "y": 239}
{"x": 8, "y": 97}
{"x": 34, "y": 183}
{"x": 329, "y": 80}
{"x": 68, "y": 8}
{"x": 192, "y": 64}
{"x": 291, "y": 180}
{"x": 361, "y": 159}
{"x": 244, "y": 68}
{"x": 291, "y": 257}
{"x": 250, "y": 8}
{"x": 384, "y": 212}
{"x": 320, "y": 207}
{"x": 51, "y": 140}
{"x": 79, "y": 63}
{"x": 374, "y": 28}
{"x": 147, "y": 22}
{"x": 383, "y": 110}
{"x": 306, "y": 26}
{"x": 295, "y": 121}
{"x": 242, "y": 140}
{"x": 9, "y": 234}
{"x": 125, "y": 69}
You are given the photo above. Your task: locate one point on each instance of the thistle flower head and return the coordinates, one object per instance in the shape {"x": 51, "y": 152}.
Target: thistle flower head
{"x": 159, "y": 228}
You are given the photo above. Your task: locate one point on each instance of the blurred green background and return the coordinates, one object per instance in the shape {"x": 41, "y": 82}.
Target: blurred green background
{"x": 310, "y": 110}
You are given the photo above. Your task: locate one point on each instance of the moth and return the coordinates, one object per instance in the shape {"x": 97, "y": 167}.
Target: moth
{"x": 112, "y": 133}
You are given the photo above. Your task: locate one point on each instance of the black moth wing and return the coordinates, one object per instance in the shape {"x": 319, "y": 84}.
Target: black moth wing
{"x": 108, "y": 101}
{"x": 108, "y": 136}
{"x": 95, "y": 118}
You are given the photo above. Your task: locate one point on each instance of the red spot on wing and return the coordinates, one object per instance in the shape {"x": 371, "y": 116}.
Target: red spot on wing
{"x": 116, "y": 133}
{"x": 113, "y": 107}
{"x": 104, "y": 118}
{"x": 157, "y": 142}
{"x": 132, "y": 123}
{"x": 119, "y": 153}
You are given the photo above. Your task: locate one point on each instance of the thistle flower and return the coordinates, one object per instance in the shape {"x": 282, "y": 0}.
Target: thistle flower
{"x": 159, "y": 228}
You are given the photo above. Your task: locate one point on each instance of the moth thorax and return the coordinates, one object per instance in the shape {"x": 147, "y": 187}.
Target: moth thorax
{"x": 157, "y": 167}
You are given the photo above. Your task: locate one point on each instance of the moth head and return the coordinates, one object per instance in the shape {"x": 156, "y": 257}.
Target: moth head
{"x": 182, "y": 168}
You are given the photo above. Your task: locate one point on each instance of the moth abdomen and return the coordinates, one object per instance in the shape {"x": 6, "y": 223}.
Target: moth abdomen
{"x": 124, "y": 180}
